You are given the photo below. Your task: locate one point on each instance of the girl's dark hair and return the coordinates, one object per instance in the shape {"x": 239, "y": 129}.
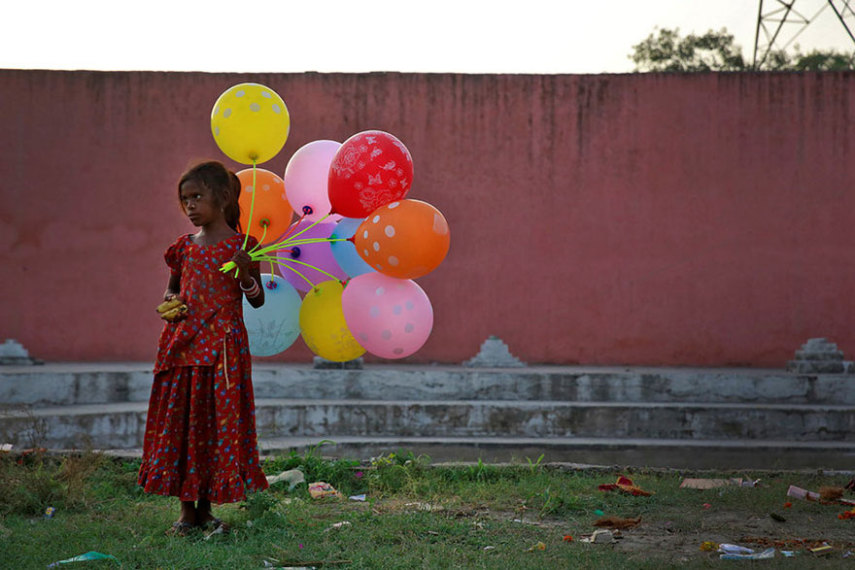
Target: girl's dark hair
{"x": 224, "y": 184}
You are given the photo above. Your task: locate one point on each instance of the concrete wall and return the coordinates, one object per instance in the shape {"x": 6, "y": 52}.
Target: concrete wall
{"x": 612, "y": 219}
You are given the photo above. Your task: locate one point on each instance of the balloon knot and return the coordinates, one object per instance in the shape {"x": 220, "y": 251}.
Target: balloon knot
{"x": 307, "y": 210}
{"x": 271, "y": 284}
{"x": 352, "y": 239}
{"x": 295, "y": 252}
{"x": 264, "y": 222}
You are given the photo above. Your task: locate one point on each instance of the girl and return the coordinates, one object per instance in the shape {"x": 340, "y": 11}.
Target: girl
{"x": 200, "y": 442}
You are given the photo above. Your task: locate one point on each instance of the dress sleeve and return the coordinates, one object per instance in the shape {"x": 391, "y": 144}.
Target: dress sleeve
{"x": 174, "y": 255}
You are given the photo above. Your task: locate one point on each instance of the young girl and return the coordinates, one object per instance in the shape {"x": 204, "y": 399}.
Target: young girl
{"x": 200, "y": 442}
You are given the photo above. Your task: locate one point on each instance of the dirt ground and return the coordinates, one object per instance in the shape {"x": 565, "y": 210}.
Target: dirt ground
{"x": 679, "y": 541}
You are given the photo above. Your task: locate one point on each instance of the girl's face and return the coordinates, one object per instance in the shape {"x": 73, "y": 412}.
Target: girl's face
{"x": 199, "y": 203}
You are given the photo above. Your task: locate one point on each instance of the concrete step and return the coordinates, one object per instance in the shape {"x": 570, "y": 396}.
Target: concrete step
{"x": 639, "y": 452}
{"x": 121, "y": 425}
{"x": 554, "y": 419}
{"x": 91, "y": 383}
{"x": 618, "y": 452}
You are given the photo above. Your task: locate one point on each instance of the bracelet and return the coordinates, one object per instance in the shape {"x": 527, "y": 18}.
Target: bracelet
{"x": 251, "y": 292}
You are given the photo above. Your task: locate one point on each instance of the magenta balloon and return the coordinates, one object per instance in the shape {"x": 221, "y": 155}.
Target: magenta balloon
{"x": 315, "y": 254}
{"x": 306, "y": 178}
{"x": 389, "y": 317}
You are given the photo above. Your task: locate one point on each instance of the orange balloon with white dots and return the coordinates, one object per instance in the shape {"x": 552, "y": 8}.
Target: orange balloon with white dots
{"x": 405, "y": 239}
{"x": 271, "y": 212}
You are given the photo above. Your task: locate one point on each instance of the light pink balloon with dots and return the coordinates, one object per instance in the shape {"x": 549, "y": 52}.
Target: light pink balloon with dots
{"x": 389, "y": 317}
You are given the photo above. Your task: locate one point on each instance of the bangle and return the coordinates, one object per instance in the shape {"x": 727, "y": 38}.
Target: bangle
{"x": 252, "y": 291}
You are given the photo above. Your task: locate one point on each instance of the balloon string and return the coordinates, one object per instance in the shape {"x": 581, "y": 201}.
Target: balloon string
{"x": 289, "y": 243}
{"x": 262, "y": 254}
{"x": 263, "y": 235}
{"x": 292, "y": 241}
{"x": 306, "y": 279}
{"x": 280, "y": 261}
{"x": 293, "y": 226}
{"x": 251, "y": 206}
{"x": 288, "y": 239}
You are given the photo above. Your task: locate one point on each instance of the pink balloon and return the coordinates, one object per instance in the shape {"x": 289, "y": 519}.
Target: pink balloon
{"x": 306, "y": 178}
{"x": 317, "y": 255}
{"x": 389, "y": 317}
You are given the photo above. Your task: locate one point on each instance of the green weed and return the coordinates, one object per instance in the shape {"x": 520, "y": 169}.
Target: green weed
{"x": 416, "y": 516}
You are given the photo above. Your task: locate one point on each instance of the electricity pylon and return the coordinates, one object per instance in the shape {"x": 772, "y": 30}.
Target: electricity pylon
{"x": 781, "y": 23}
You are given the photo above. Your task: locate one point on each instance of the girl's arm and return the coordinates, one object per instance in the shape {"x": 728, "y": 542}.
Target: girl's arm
{"x": 258, "y": 300}
{"x": 250, "y": 278}
{"x": 173, "y": 287}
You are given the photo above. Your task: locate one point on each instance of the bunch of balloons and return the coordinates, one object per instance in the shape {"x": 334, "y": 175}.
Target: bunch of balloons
{"x": 356, "y": 247}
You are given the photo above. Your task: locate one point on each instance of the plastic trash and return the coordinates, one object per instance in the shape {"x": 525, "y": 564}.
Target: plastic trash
{"x": 49, "y": 512}
{"x": 804, "y": 494}
{"x": 765, "y": 555}
{"x": 357, "y": 497}
{"x": 338, "y": 525}
{"x": 734, "y": 549}
{"x": 92, "y": 555}
{"x": 321, "y": 489}
{"x": 820, "y": 550}
{"x": 689, "y": 483}
{"x": 600, "y": 537}
{"x": 293, "y": 477}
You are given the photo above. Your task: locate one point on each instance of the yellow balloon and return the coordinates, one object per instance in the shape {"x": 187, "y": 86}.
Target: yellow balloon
{"x": 322, "y": 324}
{"x": 250, "y": 123}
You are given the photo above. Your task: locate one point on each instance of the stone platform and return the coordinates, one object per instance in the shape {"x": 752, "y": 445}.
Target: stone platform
{"x": 643, "y": 417}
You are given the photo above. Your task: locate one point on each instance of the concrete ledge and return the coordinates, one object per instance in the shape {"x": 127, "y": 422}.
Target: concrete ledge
{"x": 88, "y": 383}
{"x": 715, "y": 455}
{"x": 122, "y": 424}
{"x": 675, "y": 454}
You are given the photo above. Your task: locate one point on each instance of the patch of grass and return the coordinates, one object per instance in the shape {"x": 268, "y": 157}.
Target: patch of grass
{"x": 416, "y": 516}
{"x": 340, "y": 473}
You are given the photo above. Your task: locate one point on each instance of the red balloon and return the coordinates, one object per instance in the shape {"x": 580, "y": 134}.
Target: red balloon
{"x": 371, "y": 169}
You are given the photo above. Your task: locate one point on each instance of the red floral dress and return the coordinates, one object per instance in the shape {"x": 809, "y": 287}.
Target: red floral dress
{"x": 200, "y": 440}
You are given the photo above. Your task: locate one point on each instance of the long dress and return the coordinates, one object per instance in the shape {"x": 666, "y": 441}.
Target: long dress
{"x": 200, "y": 439}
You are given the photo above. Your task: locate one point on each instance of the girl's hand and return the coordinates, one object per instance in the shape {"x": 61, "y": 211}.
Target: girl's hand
{"x": 242, "y": 261}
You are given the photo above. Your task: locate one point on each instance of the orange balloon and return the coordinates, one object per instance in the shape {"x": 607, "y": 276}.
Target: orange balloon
{"x": 404, "y": 239}
{"x": 271, "y": 209}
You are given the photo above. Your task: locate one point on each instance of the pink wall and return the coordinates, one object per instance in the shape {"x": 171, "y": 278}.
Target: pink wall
{"x": 612, "y": 219}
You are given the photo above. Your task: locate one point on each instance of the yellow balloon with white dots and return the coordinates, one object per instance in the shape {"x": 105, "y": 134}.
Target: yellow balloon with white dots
{"x": 250, "y": 123}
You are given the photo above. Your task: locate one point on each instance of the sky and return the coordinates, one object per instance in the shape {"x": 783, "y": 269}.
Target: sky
{"x": 461, "y": 36}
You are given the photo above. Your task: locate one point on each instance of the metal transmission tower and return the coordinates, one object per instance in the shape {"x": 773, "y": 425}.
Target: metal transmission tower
{"x": 780, "y": 20}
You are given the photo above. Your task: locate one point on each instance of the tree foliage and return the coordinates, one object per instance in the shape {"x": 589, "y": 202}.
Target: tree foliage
{"x": 716, "y": 51}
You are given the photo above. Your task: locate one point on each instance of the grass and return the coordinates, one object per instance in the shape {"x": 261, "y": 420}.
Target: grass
{"x": 417, "y": 515}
